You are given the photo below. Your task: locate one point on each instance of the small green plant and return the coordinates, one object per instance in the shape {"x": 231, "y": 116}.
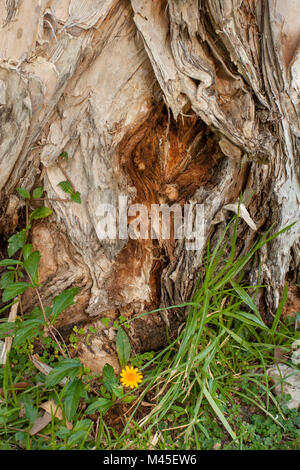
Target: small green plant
{"x": 67, "y": 185}
{"x": 111, "y": 390}
{"x": 74, "y": 337}
{"x": 140, "y": 359}
{"x": 68, "y": 188}
{"x": 122, "y": 321}
{"x": 32, "y": 327}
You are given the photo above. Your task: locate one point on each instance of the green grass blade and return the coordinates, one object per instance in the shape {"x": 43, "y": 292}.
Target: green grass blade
{"x": 279, "y": 309}
{"x": 219, "y": 413}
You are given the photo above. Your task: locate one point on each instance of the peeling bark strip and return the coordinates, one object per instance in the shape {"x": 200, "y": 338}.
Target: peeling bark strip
{"x": 174, "y": 101}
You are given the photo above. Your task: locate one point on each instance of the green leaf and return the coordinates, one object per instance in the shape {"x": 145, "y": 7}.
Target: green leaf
{"x": 117, "y": 390}
{"x": 279, "y": 309}
{"x": 296, "y": 421}
{"x": 14, "y": 289}
{"x": 129, "y": 398}
{"x": 101, "y": 404}
{"x": 73, "y": 392}
{"x": 16, "y": 241}
{"x": 38, "y": 192}
{"x": 10, "y": 262}
{"x": 80, "y": 432}
{"x": 66, "y": 187}
{"x": 27, "y": 250}
{"x": 30, "y": 411}
{"x": 82, "y": 425}
{"x": 248, "y": 318}
{"x": 7, "y": 278}
{"x": 21, "y": 438}
{"x": 62, "y": 301}
{"x": 246, "y": 298}
{"x": 218, "y": 412}
{"x": 31, "y": 264}
{"x": 62, "y": 432}
{"x": 27, "y": 330}
{"x": 7, "y": 329}
{"x": 76, "y": 438}
{"x": 66, "y": 367}
{"x": 76, "y": 197}
{"x": 40, "y": 213}
{"x": 37, "y": 312}
{"x": 64, "y": 155}
{"x": 105, "y": 321}
{"x": 23, "y": 193}
{"x": 239, "y": 340}
{"x": 123, "y": 347}
{"x": 92, "y": 329}
{"x": 8, "y": 306}
{"x": 109, "y": 378}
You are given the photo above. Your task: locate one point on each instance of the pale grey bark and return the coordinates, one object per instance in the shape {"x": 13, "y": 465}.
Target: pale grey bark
{"x": 90, "y": 77}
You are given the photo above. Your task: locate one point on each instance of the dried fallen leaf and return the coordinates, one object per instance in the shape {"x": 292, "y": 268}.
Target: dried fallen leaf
{"x": 18, "y": 386}
{"x": 154, "y": 439}
{"x": 279, "y": 354}
{"x": 22, "y": 411}
{"x": 52, "y": 408}
{"x": 40, "y": 423}
{"x": 4, "y": 350}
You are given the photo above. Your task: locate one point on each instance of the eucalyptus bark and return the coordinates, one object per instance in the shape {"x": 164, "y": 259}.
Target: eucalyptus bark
{"x": 163, "y": 102}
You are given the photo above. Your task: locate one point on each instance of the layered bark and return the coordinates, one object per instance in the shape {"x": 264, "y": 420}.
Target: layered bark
{"x": 162, "y": 102}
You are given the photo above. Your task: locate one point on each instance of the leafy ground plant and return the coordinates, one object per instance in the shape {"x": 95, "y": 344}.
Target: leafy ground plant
{"x": 63, "y": 380}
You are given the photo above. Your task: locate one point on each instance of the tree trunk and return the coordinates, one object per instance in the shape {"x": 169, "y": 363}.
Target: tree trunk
{"x": 178, "y": 101}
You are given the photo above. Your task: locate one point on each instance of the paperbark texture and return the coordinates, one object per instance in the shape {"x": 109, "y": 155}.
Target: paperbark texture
{"x": 172, "y": 101}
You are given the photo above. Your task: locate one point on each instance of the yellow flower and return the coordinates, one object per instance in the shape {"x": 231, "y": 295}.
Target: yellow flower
{"x": 131, "y": 377}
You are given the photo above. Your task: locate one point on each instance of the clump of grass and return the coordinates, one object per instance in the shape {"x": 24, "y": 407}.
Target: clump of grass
{"x": 224, "y": 345}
